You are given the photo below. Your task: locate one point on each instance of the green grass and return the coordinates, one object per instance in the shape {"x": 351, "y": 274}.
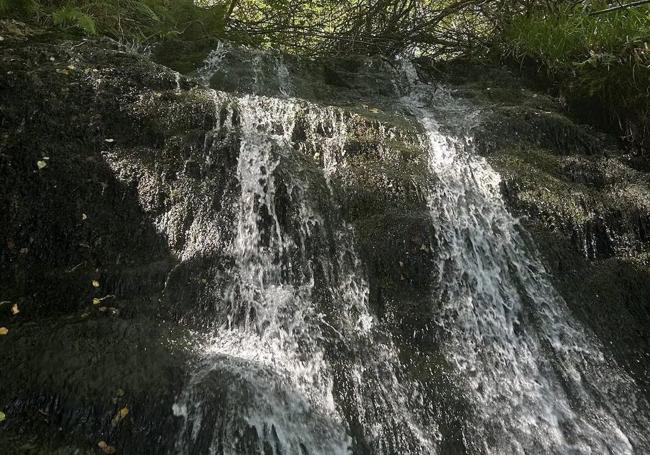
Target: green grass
{"x": 602, "y": 63}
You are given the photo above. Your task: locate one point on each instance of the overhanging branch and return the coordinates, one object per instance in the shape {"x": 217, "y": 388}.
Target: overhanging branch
{"x": 619, "y": 7}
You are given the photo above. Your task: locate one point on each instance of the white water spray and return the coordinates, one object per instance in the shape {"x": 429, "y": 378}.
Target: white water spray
{"x": 540, "y": 383}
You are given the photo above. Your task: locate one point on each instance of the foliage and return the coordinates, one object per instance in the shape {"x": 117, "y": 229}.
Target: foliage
{"x": 71, "y": 16}
{"x": 601, "y": 62}
{"x": 389, "y": 27}
{"x": 127, "y": 20}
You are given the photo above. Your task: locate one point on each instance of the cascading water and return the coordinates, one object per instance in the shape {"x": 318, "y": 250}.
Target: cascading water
{"x": 539, "y": 382}
{"x": 295, "y": 361}
{"x": 277, "y": 386}
{"x": 268, "y": 367}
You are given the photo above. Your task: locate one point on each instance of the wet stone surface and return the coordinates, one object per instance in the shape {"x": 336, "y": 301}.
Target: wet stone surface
{"x": 121, "y": 210}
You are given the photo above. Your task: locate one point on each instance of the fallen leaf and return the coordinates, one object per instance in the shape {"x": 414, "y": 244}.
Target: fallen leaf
{"x": 109, "y": 140}
{"x": 41, "y": 164}
{"x": 14, "y": 309}
{"x": 121, "y": 414}
{"x": 97, "y": 301}
{"x": 4, "y": 330}
{"x": 95, "y": 283}
{"x": 84, "y": 216}
{"x": 105, "y": 447}
{"x": 3, "y": 417}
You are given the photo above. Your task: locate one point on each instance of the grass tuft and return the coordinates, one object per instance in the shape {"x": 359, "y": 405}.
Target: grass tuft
{"x": 602, "y": 63}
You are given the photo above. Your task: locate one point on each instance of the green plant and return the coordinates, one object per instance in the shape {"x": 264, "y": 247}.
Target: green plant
{"x": 128, "y": 20}
{"x": 18, "y": 7}
{"x": 72, "y": 16}
{"x": 601, "y": 63}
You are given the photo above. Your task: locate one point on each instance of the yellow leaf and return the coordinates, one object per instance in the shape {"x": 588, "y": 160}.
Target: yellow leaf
{"x": 121, "y": 414}
{"x": 95, "y": 283}
{"x": 3, "y": 417}
{"x": 96, "y": 301}
{"x": 4, "y": 330}
{"x": 14, "y": 309}
{"x": 41, "y": 164}
{"x": 105, "y": 447}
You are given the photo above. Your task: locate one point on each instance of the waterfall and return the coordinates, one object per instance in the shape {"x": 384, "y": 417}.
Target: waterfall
{"x": 267, "y": 366}
{"x": 294, "y": 360}
{"x": 277, "y": 387}
{"x": 539, "y": 382}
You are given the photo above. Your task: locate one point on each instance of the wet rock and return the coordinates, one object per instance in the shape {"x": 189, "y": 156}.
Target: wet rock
{"x": 119, "y": 171}
{"x": 80, "y": 255}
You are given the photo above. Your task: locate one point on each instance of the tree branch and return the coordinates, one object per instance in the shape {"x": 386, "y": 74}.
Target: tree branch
{"x": 616, "y": 8}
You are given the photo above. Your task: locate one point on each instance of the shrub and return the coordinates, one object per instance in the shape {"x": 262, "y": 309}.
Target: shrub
{"x": 128, "y": 20}
{"x": 601, "y": 62}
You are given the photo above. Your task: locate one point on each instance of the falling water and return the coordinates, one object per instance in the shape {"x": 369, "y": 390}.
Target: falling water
{"x": 294, "y": 360}
{"x": 266, "y": 368}
{"x": 539, "y": 382}
{"x": 276, "y": 384}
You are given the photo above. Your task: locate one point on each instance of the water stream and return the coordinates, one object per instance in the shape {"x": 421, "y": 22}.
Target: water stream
{"x": 539, "y": 381}
{"x": 298, "y": 363}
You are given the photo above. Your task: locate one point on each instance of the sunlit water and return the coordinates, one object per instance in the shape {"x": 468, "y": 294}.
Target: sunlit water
{"x": 539, "y": 381}
{"x": 296, "y": 363}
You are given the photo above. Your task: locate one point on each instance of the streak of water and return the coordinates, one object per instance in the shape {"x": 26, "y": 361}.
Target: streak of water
{"x": 540, "y": 382}
{"x": 296, "y": 362}
{"x": 267, "y": 369}
{"x": 264, "y": 358}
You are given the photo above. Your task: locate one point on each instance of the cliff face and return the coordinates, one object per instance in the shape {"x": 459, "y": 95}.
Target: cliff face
{"x": 121, "y": 210}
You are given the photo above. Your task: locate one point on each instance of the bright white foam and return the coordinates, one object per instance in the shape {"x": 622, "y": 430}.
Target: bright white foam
{"x": 539, "y": 381}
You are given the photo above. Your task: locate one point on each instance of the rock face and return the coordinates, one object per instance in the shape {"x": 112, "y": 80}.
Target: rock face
{"x": 123, "y": 213}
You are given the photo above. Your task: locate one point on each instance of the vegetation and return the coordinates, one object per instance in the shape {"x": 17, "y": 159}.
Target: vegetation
{"x": 600, "y": 62}
{"x": 138, "y": 21}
